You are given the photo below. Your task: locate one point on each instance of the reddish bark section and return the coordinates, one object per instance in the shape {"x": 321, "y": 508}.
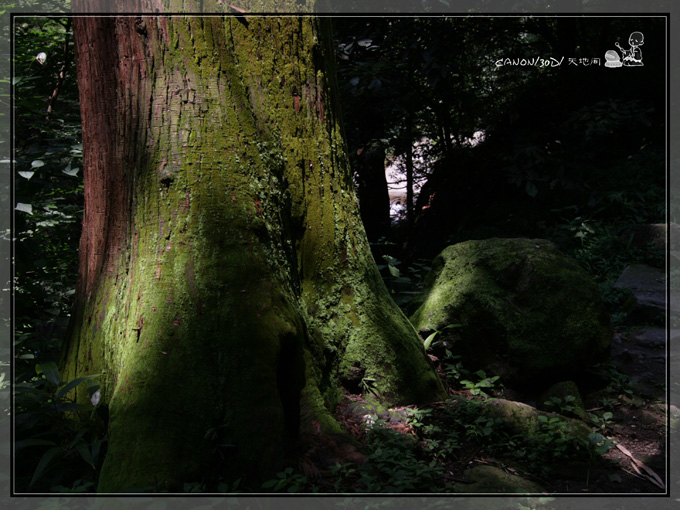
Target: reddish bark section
{"x": 112, "y": 138}
{"x": 106, "y": 182}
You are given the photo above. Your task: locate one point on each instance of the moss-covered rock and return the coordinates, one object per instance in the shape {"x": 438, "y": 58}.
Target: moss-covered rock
{"x": 525, "y": 421}
{"x": 486, "y": 479}
{"x": 528, "y": 312}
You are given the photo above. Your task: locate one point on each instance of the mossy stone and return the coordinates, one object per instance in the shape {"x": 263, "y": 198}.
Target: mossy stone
{"x": 524, "y": 420}
{"x": 492, "y": 480}
{"x": 528, "y": 312}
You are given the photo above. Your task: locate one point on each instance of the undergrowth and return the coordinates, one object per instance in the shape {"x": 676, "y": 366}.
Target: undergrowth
{"x": 431, "y": 450}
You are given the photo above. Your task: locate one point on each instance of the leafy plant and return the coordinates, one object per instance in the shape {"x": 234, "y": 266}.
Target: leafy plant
{"x": 554, "y": 441}
{"x": 56, "y": 435}
{"x": 435, "y": 440}
{"x": 476, "y": 388}
{"x": 286, "y": 480}
{"x": 603, "y": 421}
{"x": 483, "y": 428}
{"x": 608, "y": 403}
{"x": 59, "y": 443}
{"x": 619, "y": 383}
{"x": 368, "y": 385}
{"x": 289, "y": 481}
{"x": 599, "y": 445}
{"x": 403, "y": 283}
{"x": 393, "y": 463}
{"x": 431, "y": 337}
{"x": 565, "y": 407}
{"x": 453, "y": 367}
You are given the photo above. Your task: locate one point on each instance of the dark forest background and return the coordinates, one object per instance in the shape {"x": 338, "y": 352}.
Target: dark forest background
{"x": 574, "y": 153}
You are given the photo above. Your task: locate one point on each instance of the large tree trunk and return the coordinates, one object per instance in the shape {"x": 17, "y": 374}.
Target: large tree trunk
{"x": 225, "y": 282}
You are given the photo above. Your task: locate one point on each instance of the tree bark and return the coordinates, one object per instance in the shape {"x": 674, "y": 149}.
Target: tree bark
{"x": 374, "y": 197}
{"x": 226, "y": 289}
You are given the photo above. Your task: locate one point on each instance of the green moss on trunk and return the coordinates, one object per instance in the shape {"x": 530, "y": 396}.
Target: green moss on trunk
{"x": 243, "y": 289}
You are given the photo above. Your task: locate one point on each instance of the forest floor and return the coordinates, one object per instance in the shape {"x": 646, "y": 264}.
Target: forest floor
{"x": 625, "y": 400}
{"x": 635, "y": 462}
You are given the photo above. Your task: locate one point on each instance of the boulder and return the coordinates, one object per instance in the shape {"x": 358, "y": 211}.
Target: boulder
{"x": 528, "y": 312}
{"x": 486, "y": 479}
{"x": 523, "y": 420}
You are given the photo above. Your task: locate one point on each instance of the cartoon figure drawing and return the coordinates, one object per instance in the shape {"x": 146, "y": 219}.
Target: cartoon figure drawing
{"x": 633, "y": 56}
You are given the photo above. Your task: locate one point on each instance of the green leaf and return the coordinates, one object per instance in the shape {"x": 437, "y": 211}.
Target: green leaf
{"x": 75, "y": 382}
{"x": 393, "y": 271}
{"x": 391, "y": 260}
{"x": 487, "y": 383}
{"x": 78, "y": 438}
{"x": 430, "y": 339}
{"x": 452, "y": 326}
{"x": 84, "y": 452}
{"x": 28, "y": 388}
{"x": 50, "y": 370}
{"x": 45, "y": 461}
{"x": 595, "y": 437}
{"x": 96, "y": 446}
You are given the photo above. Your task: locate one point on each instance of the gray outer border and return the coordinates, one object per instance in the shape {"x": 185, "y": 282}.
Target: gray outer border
{"x": 350, "y": 502}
